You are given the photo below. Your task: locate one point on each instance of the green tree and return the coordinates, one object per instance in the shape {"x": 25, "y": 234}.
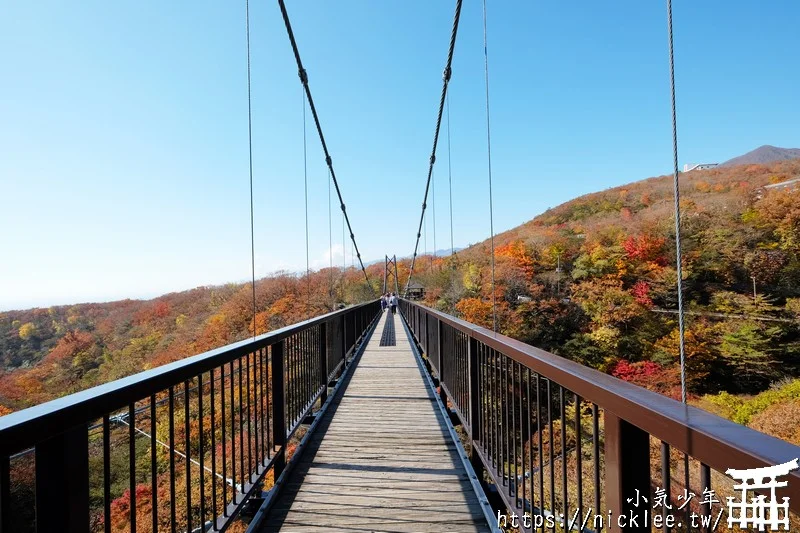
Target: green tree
{"x": 748, "y": 350}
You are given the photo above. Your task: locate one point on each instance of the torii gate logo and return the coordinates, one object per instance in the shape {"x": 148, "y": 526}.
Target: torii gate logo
{"x": 757, "y": 511}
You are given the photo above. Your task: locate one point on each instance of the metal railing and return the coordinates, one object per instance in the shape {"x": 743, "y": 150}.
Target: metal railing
{"x": 559, "y": 440}
{"x": 212, "y": 428}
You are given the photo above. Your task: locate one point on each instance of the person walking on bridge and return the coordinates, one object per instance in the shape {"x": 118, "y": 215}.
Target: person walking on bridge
{"x": 393, "y": 303}
{"x": 384, "y": 302}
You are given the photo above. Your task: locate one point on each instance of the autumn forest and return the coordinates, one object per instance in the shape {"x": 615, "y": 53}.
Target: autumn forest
{"x": 592, "y": 280}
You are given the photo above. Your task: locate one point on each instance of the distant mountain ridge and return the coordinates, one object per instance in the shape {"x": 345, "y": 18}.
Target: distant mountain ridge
{"x": 763, "y": 154}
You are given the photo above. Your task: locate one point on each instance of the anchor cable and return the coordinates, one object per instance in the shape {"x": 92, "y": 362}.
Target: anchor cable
{"x": 678, "y": 254}
{"x": 305, "y": 191}
{"x": 489, "y": 157}
{"x": 250, "y": 148}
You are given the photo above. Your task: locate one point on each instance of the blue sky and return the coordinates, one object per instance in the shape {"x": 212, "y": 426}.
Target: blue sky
{"x": 123, "y": 125}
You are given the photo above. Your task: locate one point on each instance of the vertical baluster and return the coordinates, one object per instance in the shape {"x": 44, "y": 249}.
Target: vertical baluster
{"x": 479, "y": 401}
{"x": 596, "y": 459}
{"x": 172, "y": 508}
{"x": 107, "y": 473}
{"x": 475, "y": 392}
{"x": 291, "y": 362}
{"x": 688, "y": 509}
{"x": 513, "y": 426}
{"x": 495, "y": 437}
{"x": 307, "y": 374}
{"x": 188, "y": 459}
{"x": 268, "y": 385}
{"x": 201, "y": 451}
{"x": 506, "y": 427}
{"x": 324, "y": 368}
{"x": 213, "y": 448}
{"x": 256, "y": 392}
{"x": 528, "y": 418}
{"x": 552, "y": 451}
{"x": 279, "y": 407}
{"x": 264, "y": 455}
{"x": 627, "y": 467}
{"x": 540, "y": 450}
{"x": 132, "y": 463}
{"x": 234, "y": 484}
{"x": 300, "y": 376}
{"x": 244, "y": 475}
{"x": 223, "y": 425}
{"x": 249, "y": 423}
{"x": 564, "y": 493}
{"x": 705, "y": 484}
{"x": 521, "y": 475}
{"x": 153, "y": 463}
{"x": 579, "y": 452}
{"x": 443, "y": 367}
{"x": 5, "y": 495}
{"x": 666, "y": 483}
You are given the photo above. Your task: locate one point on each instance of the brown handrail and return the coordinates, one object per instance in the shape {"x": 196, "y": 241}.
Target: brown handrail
{"x": 712, "y": 440}
{"x": 281, "y": 376}
{"x": 24, "y": 428}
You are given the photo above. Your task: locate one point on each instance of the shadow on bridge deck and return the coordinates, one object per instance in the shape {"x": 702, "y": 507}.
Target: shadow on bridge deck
{"x": 382, "y": 458}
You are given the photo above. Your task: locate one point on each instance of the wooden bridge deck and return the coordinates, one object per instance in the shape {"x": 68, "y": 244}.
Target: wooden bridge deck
{"x": 382, "y": 458}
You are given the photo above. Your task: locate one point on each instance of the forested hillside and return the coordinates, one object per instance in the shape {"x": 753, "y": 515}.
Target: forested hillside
{"x": 46, "y": 353}
{"x": 611, "y": 306}
{"x": 592, "y": 280}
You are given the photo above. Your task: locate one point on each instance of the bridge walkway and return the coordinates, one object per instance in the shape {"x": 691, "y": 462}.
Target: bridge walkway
{"x": 383, "y": 458}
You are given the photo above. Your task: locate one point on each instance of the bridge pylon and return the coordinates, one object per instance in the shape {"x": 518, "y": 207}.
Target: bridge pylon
{"x": 388, "y": 264}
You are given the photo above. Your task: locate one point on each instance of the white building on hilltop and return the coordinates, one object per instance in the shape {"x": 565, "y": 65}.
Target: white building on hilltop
{"x": 701, "y": 166}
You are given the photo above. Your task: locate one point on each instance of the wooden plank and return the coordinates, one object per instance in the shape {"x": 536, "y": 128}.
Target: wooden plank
{"x": 383, "y": 459}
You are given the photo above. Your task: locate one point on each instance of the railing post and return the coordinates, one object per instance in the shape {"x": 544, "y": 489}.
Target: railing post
{"x": 627, "y": 456}
{"x": 425, "y": 334}
{"x": 343, "y": 335}
{"x": 278, "y": 407}
{"x": 474, "y": 403}
{"x": 323, "y": 361}
{"x": 62, "y": 481}
{"x": 355, "y": 330}
{"x": 5, "y": 494}
{"x": 440, "y": 356}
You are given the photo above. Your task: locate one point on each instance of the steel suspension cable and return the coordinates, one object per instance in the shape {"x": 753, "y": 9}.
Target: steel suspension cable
{"x": 445, "y": 82}
{"x": 330, "y": 241}
{"x": 678, "y": 254}
{"x": 433, "y": 213}
{"x": 344, "y": 248}
{"x": 304, "y": 80}
{"x": 305, "y": 190}
{"x": 489, "y": 157}
{"x": 250, "y": 149}
{"x": 450, "y": 177}
{"x": 425, "y": 233}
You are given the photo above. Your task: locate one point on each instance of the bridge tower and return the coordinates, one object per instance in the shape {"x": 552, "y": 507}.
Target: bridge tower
{"x": 387, "y": 270}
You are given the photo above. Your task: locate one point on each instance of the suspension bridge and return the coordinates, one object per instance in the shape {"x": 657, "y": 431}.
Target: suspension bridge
{"x": 370, "y": 420}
